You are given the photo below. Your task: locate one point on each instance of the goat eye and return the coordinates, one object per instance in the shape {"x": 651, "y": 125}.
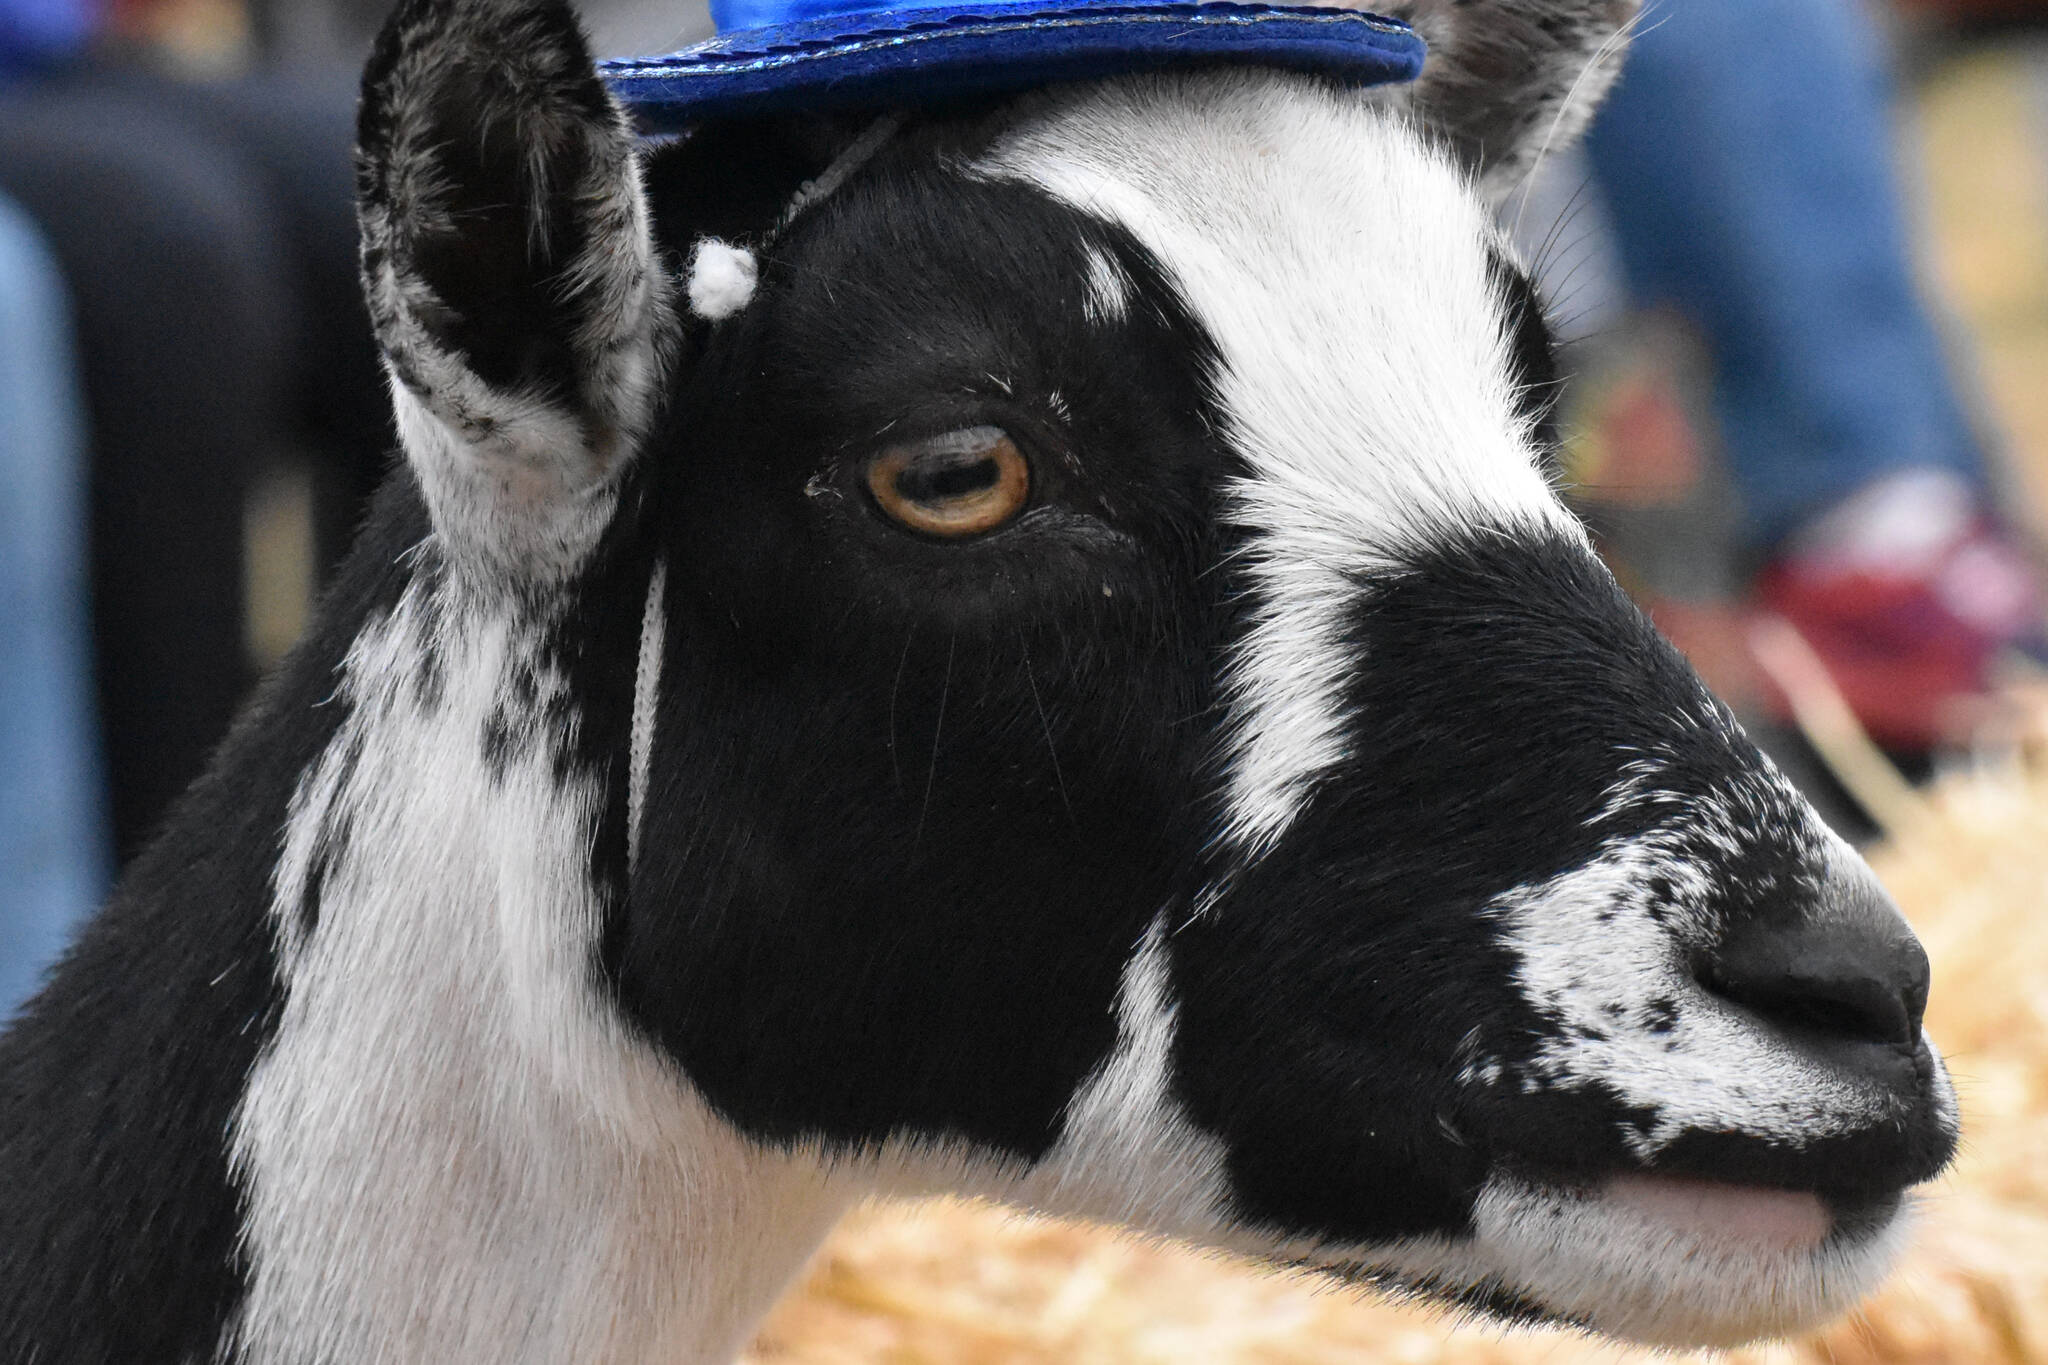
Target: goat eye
{"x": 960, "y": 484}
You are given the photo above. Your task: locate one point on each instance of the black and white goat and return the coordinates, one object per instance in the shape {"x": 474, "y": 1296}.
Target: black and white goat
{"x": 1048, "y": 668}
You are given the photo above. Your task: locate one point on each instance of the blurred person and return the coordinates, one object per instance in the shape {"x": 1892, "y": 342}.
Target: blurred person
{"x": 205, "y": 232}
{"x": 1745, "y": 161}
{"x": 53, "y": 863}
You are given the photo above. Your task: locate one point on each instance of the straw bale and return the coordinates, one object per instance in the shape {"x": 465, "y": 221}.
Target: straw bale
{"x": 948, "y": 1283}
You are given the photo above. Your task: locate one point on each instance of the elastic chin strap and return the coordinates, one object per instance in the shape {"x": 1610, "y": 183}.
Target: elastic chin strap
{"x": 646, "y": 687}
{"x": 857, "y": 154}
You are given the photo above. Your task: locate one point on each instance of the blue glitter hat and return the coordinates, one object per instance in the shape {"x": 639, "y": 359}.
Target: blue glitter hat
{"x": 772, "y": 56}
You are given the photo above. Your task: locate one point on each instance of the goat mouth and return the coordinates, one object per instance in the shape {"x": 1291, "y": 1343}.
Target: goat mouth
{"x": 1754, "y": 1217}
{"x": 1686, "y": 1260}
{"x": 1723, "y": 1215}
{"x": 1660, "y": 1259}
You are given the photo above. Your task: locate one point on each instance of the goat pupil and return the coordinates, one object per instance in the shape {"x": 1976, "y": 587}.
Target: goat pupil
{"x": 948, "y": 478}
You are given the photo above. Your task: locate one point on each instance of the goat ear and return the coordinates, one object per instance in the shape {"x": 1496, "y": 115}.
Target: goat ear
{"x": 511, "y": 277}
{"x": 1509, "y": 80}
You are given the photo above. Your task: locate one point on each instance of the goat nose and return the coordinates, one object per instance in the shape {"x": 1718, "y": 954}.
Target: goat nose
{"x": 1848, "y": 969}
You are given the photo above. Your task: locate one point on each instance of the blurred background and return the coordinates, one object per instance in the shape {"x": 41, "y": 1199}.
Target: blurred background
{"x": 1801, "y": 271}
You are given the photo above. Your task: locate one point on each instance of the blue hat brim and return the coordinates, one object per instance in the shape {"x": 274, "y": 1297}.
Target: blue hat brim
{"x": 925, "y": 55}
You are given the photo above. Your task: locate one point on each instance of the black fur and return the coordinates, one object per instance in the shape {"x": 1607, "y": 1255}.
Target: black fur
{"x": 1533, "y": 354}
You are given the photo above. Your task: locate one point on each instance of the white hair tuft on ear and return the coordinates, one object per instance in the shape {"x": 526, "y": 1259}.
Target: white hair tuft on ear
{"x": 722, "y": 279}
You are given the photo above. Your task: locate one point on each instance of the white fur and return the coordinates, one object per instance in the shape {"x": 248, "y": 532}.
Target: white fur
{"x": 646, "y": 691}
{"x": 1128, "y": 1152}
{"x": 1593, "y": 958}
{"x": 520, "y": 495}
{"x": 452, "y": 1148}
{"x": 1108, "y": 296}
{"x": 722, "y": 279}
{"x": 1596, "y": 956}
{"x": 1340, "y": 262}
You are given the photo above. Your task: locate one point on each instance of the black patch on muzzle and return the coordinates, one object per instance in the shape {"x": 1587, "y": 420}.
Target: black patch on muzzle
{"x": 1498, "y": 687}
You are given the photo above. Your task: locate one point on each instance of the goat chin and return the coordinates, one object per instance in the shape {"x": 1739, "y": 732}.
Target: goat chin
{"x": 1677, "y": 1264}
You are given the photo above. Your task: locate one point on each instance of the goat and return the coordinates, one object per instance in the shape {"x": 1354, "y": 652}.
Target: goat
{"x": 1046, "y": 665}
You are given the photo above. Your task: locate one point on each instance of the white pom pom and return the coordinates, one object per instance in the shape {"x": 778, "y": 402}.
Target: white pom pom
{"x": 722, "y": 279}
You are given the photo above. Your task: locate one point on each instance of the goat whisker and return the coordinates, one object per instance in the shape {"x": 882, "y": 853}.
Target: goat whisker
{"x": 931, "y": 775}
{"x": 1045, "y": 726}
{"x": 895, "y": 755}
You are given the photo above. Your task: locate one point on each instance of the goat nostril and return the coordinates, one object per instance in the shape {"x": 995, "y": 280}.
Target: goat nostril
{"x": 1858, "y": 977}
{"x": 1853, "y": 1007}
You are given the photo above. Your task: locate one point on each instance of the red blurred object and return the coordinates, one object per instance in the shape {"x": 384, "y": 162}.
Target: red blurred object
{"x": 1912, "y": 652}
{"x": 1653, "y": 453}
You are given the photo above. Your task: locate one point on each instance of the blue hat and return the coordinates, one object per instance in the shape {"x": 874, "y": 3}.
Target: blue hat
{"x": 773, "y": 56}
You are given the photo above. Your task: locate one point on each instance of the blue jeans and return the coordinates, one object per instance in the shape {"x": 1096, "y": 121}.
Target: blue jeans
{"x": 1746, "y": 159}
{"x": 53, "y": 859}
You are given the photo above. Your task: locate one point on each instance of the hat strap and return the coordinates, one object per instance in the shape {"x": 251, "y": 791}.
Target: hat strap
{"x": 858, "y": 154}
